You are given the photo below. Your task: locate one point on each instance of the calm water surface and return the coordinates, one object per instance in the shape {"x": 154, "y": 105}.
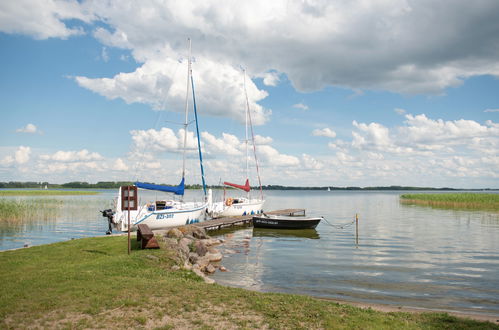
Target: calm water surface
{"x": 406, "y": 255}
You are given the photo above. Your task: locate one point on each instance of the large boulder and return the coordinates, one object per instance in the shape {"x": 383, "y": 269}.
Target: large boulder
{"x": 174, "y": 233}
{"x": 184, "y": 246}
{"x": 210, "y": 269}
{"x": 214, "y": 257}
{"x": 202, "y": 262}
{"x": 193, "y": 257}
{"x": 200, "y": 248}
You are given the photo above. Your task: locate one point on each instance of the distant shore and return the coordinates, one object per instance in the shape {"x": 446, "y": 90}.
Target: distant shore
{"x": 117, "y": 184}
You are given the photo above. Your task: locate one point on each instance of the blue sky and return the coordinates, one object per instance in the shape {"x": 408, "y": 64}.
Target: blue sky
{"x": 342, "y": 94}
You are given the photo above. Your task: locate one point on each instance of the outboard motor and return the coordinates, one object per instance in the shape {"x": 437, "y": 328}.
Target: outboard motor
{"x": 109, "y": 215}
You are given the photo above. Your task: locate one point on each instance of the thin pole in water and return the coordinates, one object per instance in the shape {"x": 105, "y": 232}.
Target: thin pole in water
{"x": 128, "y": 207}
{"x": 357, "y": 229}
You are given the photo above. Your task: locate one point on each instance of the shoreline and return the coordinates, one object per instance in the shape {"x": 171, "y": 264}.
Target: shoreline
{"x": 82, "y": 273}
{"x": 385, "y": 308}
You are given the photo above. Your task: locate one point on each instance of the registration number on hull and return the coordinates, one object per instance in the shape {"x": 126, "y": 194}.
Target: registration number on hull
{"x": 164, "y": 216}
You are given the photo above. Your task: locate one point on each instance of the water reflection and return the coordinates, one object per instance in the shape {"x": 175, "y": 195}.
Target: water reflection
{"x": 407, "y": 255}
{"x": 269, "y": 232}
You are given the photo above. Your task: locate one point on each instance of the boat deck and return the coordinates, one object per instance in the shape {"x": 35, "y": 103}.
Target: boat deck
{"x": 219, "y": 223}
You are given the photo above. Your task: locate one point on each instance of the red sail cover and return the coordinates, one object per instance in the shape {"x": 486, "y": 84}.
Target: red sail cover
{"x": 246, "y": 186}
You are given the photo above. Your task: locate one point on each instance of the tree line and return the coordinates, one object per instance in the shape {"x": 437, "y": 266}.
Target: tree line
{"x": 117, "y": 184}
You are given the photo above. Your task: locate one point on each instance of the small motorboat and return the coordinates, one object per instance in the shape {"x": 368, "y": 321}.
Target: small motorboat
{"x": 285, "y": 222}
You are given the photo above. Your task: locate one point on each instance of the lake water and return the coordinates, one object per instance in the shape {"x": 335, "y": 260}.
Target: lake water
{"x": 405, "y": 255}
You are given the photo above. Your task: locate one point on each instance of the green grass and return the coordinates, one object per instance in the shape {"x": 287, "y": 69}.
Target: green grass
{"x": 45, "y": 192}
{"x": 93, "y": 283}
{"x": 455, "y": 200}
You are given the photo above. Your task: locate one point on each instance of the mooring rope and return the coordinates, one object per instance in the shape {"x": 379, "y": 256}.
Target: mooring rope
{"x": 342, "y": 226}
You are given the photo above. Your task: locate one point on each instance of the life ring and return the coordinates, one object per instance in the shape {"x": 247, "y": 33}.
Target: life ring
{"x": 229, "y": 201}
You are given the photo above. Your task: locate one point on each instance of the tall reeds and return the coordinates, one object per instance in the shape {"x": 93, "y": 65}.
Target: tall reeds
{"x": 455, "y": 200}
{"x": 45, "y": 192}
{"x": 19, "y": 211}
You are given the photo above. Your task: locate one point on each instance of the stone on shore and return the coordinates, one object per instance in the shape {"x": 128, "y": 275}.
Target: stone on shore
{"x": 201, "y": 248}
{"x": 174, "y": 233}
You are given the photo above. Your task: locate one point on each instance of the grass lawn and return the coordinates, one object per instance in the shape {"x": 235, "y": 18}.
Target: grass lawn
{"x": 92, "y": 282}
{"x": 455, "y": 200}
{"x": 45, "y": 192}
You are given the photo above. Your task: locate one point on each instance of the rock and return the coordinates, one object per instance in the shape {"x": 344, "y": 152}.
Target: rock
{"x": 213, "y": 257}
{"x": 183, "y": 246}
{"x": 202, "y": 262}
{"x": 228, "y": 251}
{"x": 151, "y": 257}
{"x": 212, "y": 250}
{"x": 223, "y": 269}
{"x": 200, "y": 248}
{"x": 175, "y": 268}
{"x": 174, "y": 233}
{"x": 210, "y": 269}
{"x": 211, "y": 241}
{"x": 193, "y": 257}
{"x": 199, "y": 233}
{"x": 187, "y": 265}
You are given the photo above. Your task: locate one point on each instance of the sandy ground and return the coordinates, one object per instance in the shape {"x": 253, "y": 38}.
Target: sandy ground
{"x": 390, "y": 308}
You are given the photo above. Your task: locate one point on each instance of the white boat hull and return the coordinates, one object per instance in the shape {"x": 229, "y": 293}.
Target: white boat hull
{"x": 248, "y": 207}
{"x": 189, "y": 213}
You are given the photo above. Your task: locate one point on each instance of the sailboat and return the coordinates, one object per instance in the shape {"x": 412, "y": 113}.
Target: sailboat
{"x": 240, "y": 205}
{"x": 160, "y": 214}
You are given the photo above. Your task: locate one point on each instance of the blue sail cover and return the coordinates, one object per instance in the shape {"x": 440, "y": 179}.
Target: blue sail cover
{"x": 177, "y": 190}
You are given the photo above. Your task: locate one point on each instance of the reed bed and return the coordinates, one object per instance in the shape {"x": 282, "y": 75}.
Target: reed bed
{"x": 455, "y": 200}
{"x": 45, "y": 192}
{"x": 14, "y": 211}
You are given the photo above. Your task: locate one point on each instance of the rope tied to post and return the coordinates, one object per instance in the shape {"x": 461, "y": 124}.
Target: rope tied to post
{"x": 341, "y": 226}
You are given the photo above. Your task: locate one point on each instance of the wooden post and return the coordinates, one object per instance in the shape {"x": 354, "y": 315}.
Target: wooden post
{"x": 129, "y": 203}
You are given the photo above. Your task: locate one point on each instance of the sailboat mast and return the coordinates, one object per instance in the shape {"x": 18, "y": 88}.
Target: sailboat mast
{"x": 252, "y": 136}
{"x": 246, "y": 128}
{"x": 186, "y": 107}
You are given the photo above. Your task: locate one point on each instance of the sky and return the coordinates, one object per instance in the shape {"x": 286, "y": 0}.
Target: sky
{"x": 341, "y": 93}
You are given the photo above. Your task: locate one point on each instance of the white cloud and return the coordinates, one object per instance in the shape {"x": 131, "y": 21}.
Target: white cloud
{"x": 164, "y": 140}
{"x": 420, "y": 129}
{"x": 20, "y": 156}
{"x": 270, "y": 78}
{"x": 372, "y": 136}
{"x": 29, "y": 128}
{"x": 104, "y": 54}
{"x": 271, "y": 157}
{"x": 72, "y": 156}
{"x": 310, "y": 163}
{"x": 491, "y": 110}
{"x": 315, "y": 44}
{"x": 119, "y": 165}
{"x": 42, "y": 19}
{"x": 327, "y": 132}
{"x": 263, "y": 139}
{"x": 300, "y": 106}
{"x": 219, "y": 87}
{"x": 400, "y": 111}
{"x": 227, "y": 145}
